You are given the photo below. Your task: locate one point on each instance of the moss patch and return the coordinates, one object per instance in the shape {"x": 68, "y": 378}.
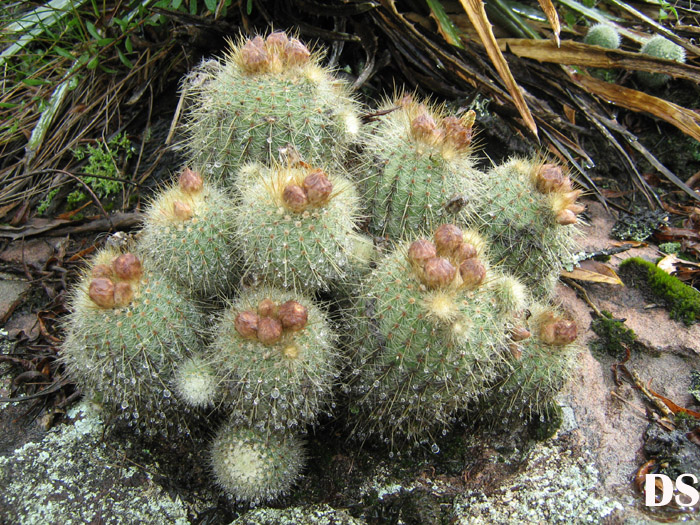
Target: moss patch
{"x": 682, "y": 301}
{"x": 613, "y": 336}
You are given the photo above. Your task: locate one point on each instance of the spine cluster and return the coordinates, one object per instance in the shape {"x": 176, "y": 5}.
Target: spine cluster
{"x": 439, "y": 275}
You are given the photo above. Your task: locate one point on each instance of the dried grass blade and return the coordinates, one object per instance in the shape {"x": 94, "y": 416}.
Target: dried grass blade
{"x": 684, "y": 119}
{"x": 553, "y": 18}
{"x": 477, "y": 15}
{"x": 579, "y": 54}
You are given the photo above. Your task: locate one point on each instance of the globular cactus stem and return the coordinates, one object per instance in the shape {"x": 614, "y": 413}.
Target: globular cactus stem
{"x": 416, "y": 162}
{"x": 298, "y": 223}
{"x": 128, "y": 330}
{"x": 268, "y": 92}
{"x": 255, "y": 467}
{"x": 188, "y": 233}
{"x": 660, "y": 47}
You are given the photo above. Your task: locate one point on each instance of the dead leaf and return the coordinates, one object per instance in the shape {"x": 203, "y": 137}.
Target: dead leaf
{"x": 553, "y": 18}
{"x": 669, "y": 264}
{"x": 477, "y": 16}
{"x": 594, "y": 271}
{"x": 682, "y": 118}
{"x": 631, "y": 244}
{"x": 673, "y": 407}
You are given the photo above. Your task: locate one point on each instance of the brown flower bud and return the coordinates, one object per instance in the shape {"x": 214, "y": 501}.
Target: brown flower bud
{"x": 438, "y": 272}
{"x": 318, "y": 187}
{"x": 456, "y": 133}
{"x": 277, "y": 39}
{"x": 406, "y": 100}
{"x": 295, "y": 198}
{"x": 558, "y": 331}
{"x": 190, "y": 181}
{"x": 447, "y": 238}
{"x": 101, "y": 292}
{"x": 420, "y": 251}
{"x": 254, "y": 57}
{"x": 423, "y": 127}
{"x": 577, "y": 208}
{"x": 246, "y": 324}
{"x": 102, "y": 270}
{"x": 127, "y": 267}
{"x": 550, "y": 178}
{"x": 267, "y": 308}
{"x": 296, "y": 53}
{"x": 465, "y": 251}
{"x": 519, "y": 333}
{"x": 182, "y": 211}
{"x": 566, "y": 216}
{"x": 515, "y": 351}
{"x": 123, "y": 294}
{"x": 473, "y": 272}
{"x": 293, "y": 315}
{"x": 269, "y": 330}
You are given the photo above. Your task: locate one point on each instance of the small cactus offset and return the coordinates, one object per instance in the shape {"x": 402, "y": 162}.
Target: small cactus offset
{"x": 253, "y": 466}
{"x": 542, "y": 351}
{"x": 188, "y": 234}
{"x": 529, "y": 213}
{"x": 660, "y": 47}
{"x": 128, "y": 330}
{"x": 431, "y": 326}
{"x": 274, "y": 359}
{"x": 268, "y": 93}
{"x": 417, "y": 168}
{"x": 603, "y": 35}
{"x": 298, "y": 226}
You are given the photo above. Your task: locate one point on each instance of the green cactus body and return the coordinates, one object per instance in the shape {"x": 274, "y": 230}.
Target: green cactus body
{"x": 541, "y": 360}
{"x": 188, "y": 233}
{"x": 128, "y": 329}
{"x": 529, "y": 213}
{"x": 660, "y": 47}
{"x": 294, "y": 238}
{"x": 254, "y": 467}
{"x": 275, "y": 360}
{"x": 429, "y": 339}
{"x": 267, "y": 94}
{"x": 603, "y": 35}
{"x": 419, "y": 169}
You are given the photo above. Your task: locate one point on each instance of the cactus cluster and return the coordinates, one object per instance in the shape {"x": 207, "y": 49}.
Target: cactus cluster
{"x": 433, "y": 275}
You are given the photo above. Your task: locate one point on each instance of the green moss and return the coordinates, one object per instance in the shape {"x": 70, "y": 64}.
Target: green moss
{"x": 682, "y": 301}
{"x": 613, "y": 335}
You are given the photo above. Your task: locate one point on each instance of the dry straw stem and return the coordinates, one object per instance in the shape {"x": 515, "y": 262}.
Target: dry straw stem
{"x": 477, "y": 16}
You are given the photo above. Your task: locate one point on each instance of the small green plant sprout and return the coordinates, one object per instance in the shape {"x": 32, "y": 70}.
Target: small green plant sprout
{"x": 431, "y": 324}
{"x": 103, "y": 161}
{"x": 603, "y": 35}
{"x": 529, "y": 212}
{"x": 275, "y": 361}
{"x": 268, "y": 93}
{"x": 682, "y": 300}
{"x": 418, "y": 168}
{"x": 297, "y": 226}
{"x": 660, "y": 47}
{"x": 128, "y": 330}
{"x": 541, "y": 355}
{"x": 188, "y": 233}
{"x": 255, "y": 467}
